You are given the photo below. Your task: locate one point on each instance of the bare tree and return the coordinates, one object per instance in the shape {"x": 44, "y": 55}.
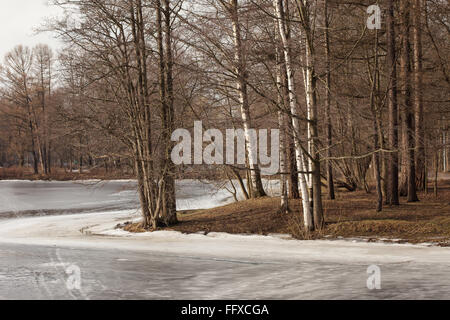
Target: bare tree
{"x": 19, "y": 82}
{"x": 119, "y": 59}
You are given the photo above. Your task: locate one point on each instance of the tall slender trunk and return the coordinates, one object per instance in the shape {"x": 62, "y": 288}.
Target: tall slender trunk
{"x": 47, "y": 126}
{"x": 283, "y": 161}
{"x": 290, "y": 143}
{"x": 241, "y": 82}
{"x": 142, "y": 192}
{"x": 393, "y": 196}
{"x": 292, "y": 164}
{"x": 418, "y": 96}
{"x": 282, "y": 125}
{"x": 80, "y": 156}
{"x": 33, "y": 147}
{"x": 71, "y": 161}
{"x": 407, "y": 110}
{"x": 444, "y": 150}
{"x": 168, "y": 213}
{"x": 315, "y": 155}
{"x": 44, "y": 128}
{"x": 436, "y": 172}
{"x": 328, "y": 125}
{"x": 44, "y": 122}
{"x": 33, "y": 133}
{"x": 170, "y": 207}
{"x": 376, "y": 155}
{"x": 34, "y": 130}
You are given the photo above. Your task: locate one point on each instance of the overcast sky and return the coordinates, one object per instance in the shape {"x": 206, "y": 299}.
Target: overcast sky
{"x": 19, "y": 18}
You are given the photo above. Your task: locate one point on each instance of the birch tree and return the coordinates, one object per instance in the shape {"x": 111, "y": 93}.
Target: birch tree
{"x": 310, "y": 76}
{"x": 282, "y": 121}
{"x": 241, "y": 84}
{"x": 307, "y": 214}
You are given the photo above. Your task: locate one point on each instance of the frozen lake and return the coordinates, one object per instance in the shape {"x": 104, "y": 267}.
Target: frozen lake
{"x": 40, "y": 243}
{"x": 31, "y": 198}
{"x": 40, "y": 273}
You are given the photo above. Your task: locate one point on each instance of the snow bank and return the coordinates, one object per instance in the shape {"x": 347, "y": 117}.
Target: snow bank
{"x": 98, "y": 231}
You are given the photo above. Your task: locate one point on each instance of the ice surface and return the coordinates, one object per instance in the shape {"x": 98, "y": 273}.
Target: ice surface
{"x": 19, "y": 198}
{"x": 34, "y": 252}
{"x": 39, "y": 196}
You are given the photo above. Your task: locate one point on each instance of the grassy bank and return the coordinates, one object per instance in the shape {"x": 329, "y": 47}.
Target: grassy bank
{"x": 351, "y": 215}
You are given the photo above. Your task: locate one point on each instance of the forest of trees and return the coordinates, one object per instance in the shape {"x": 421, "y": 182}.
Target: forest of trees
{"x": 358, "y": 108}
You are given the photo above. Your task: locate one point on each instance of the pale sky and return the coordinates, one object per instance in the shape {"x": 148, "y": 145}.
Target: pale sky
{"x": 19, "y": 18}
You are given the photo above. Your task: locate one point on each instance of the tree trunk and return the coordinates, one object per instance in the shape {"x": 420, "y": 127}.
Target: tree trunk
{"x": 436, "y": 171}
{"x": 241, "y": 82}
{"x": 393, "y": 196}
{"x": 407, "y": 110}
{"x": 376, "y": 142}
{"x": 418, "y": 96}
{"x": 240, "y": 181}
{"x": 33, "y": 149}
{"x": 290, "y": 143}
{"x": 328, "y": 125}
{"x": 282, "y": 126}
{"x": 292, "y": 165}
{"x": 283, "y": 160}
{"x": 169, "y": 214}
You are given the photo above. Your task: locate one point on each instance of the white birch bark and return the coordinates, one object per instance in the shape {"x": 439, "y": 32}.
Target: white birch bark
{"x": 307, "y": 214}
{"x": 307, "y": 161}
{"x": 245, "y": 108}
{"x": 309, "y": 107}
{"x": 282, "y": 121}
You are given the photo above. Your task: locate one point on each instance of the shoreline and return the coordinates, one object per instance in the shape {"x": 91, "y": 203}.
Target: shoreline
{"x": 98, "y": 231}
{"x": 349, "y": 218}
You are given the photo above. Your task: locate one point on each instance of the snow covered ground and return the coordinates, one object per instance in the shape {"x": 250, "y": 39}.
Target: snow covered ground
{"x": 35, "y": 253}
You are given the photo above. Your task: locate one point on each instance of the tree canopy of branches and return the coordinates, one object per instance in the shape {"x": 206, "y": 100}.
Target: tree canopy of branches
{"x": 357, "y": 108}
